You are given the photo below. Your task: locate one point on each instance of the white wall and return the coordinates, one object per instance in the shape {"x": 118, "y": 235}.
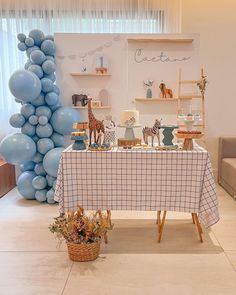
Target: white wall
{"x": 216, "y": 23}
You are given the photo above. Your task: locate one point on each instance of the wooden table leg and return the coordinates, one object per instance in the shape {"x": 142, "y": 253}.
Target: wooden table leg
{"x": 193, "y": 218}
{"x": 199, "y": 228}
{"x": 109, "y": 221}
{"x": 161, "y": 226}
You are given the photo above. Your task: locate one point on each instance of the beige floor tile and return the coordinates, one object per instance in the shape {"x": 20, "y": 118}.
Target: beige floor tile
{"x": 153, "y": 274}
{"x": 225, "y": 233}
{"x": 33, "y": 273}
{"x": 232, "y": 257}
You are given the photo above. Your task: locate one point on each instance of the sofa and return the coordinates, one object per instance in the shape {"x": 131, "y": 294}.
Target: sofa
{"x": 227, "y": 164}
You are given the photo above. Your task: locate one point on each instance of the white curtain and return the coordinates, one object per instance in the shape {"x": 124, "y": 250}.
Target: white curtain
{"x": 82, "y": 16}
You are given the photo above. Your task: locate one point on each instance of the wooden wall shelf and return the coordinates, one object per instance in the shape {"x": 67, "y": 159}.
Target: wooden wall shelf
{"x": 155, "y": 99}
{"x": 162, "y": 40}
{"x": 90, "y": 75}
{"x": 85, "y": 108}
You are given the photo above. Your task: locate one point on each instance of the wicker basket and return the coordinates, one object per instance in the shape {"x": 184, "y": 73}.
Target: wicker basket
{"x": 83, "y": 252}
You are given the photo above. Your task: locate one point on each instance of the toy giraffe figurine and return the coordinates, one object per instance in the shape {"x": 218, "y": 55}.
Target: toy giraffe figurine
{"x": 96, "y": 127}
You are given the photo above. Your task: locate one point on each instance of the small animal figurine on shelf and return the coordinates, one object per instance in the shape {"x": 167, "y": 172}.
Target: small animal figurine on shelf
{"x": 95, "y": 126}
{"x": 153, "y": 131}
{"x": 165, "y": 92}
{"x": 79, "y": 98}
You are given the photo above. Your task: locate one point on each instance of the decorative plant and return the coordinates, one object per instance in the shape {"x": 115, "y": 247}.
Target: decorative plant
{"x": 76, "y": 227}
{"x": 148, "y": 83}
{"x": 202, "y": 84}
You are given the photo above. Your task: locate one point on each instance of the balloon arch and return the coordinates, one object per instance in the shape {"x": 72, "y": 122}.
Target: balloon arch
{"x": 42, "y": 119}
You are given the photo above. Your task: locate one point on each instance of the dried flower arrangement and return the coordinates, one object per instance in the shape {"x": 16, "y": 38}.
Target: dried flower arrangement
{"x": 148, "y": 83}
{"x": 76, "y": 227}
{"x": 202, "y": 84}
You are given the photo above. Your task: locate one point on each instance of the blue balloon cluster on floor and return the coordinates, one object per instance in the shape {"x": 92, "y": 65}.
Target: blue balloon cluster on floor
{"x": 42, "y": 119}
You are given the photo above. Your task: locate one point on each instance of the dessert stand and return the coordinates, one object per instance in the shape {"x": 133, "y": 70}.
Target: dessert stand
{"x": 129, "y": 137}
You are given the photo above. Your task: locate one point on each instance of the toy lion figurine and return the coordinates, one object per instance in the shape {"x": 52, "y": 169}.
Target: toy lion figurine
{"x": 165, "y": 92}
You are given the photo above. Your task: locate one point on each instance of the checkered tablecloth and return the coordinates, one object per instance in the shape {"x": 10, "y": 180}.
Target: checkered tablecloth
{"x": 138, "y": 180}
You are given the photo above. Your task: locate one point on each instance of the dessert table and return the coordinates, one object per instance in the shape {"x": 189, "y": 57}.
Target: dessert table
{"x": 171, "y": 180}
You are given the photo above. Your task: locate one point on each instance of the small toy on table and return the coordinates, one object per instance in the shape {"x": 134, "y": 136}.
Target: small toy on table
{"x": 80, "y": 137}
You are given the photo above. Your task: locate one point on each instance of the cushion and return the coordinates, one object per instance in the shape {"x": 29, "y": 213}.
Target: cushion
{"x": 228, "y": 171}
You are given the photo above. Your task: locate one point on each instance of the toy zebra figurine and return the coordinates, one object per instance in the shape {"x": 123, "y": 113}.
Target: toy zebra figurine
{"x": 154, "y": 131}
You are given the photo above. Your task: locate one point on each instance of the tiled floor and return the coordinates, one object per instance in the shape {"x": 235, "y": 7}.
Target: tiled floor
{"x": 131, "y": 264}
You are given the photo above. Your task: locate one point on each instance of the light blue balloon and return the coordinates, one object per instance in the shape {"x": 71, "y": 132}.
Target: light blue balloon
{"x": 58, "y": 139}
{"x": 35, "y": 138}
{"x": 39, "y": 182}
{"x": 54, "y": 184}
{"x": 28, "y": 166}
{"x": 56, "y": 89}
{"x": 51, "y": 161}
{"x": 21, "y": 46}
{"x": 62, "y": 120}
{"x": 24, "y": 185}
{"x": 37, "y": 70}
{"x": 38, "y": 158}
{"x": 48, "y": 47}
{"x": 49, "y": 57}
{"x": 37, "y": 57}
{"x": 43, "y": 120}
{"x": 47, "y": 85}
{"x": 17, "y": 148}
{"x": 44, "y": 130}
{"x": 17, "y": 120}
{"x": 37, "y": 35}
{"x": 55, "y": 107}
{"x": 44, "y": 145}
{"x": 43, "y": 111}
{"x": 27, "y": 110}
{"x": 28, "y": 129}
{"x": 50, "y": 196}
{"x": 28, "y": 64}
{"x": 41, "y": 195}
{"x": 39, "y": 101}
{"x": 50, "y": 180}
{"x": 33, "y": 120}
{"x": 52, "y": 77}
{"x": 51, "y": 98}
{"x": 30, "y": 50}
{"x": 49, "y": 37}
{"x": 25, "y": 85}
{"x": 39, "y": 170}
{"x": 29, "y": 42}
{"x": 49, "y": 67}
{"x": 18, "y": 101}
{"x": 21, "y": 37}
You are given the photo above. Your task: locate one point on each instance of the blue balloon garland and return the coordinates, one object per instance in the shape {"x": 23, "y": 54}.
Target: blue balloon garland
{"x": 42, "y": 119}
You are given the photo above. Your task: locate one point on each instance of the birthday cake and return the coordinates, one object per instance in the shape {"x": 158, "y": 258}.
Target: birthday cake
{"x": 130, "y": 117}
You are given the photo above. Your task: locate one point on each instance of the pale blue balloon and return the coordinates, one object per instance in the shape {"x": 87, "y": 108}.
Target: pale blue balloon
{"x": 49, "y": 57}
{"x": 51, "y": 161}
{"x": 58, "y": 139}
{"x": 54, "y": 184}
{"x": 41, "y": 195}
{"x": 37, "y": 70}
{"x": 43, "y": 120}
{"x": 51, "y": 98}
{"x": 27, "y": 110}
{"x": 21, "y": 37}
{"x": 25, "y": 85}
{"x": 17, "y": 120}
{"x": 17, "y": 148}
{"x": 62, "y": 120}
{"x": 28, "y": 64}
{"x": 46, "y": 84}
{"x": 37, "y": 35}
{"x": 49, "y": 37}
{"x": 43, "y": 111}
{"x": 44, "y": 130}
{"x": 21, "y": 46}
{"x": 48, "y": 47}
{"x": 35, "y": 138}
{"x": 18, "y": 101}
{"x": 56, "y": 89}
{"x": 33, "y": 120}
{"x": 39, "y": 101}
{"x": 28, "y": 129}
{"x": 28, "y": 166}
{"x": 49, "y": 67}
{"x": 39, "y": 182}
{"x": 30, "y": 50}
{"x": 55, "y": 107}
{"x": 44, "y": 145}
{"x": 29, "y": 42}
{"x": 38, "y": 158}
{"x": 51, "y": 77}
{"x": 50, "y": 180}
{"x": 50, "y": 196}
{"x": 24, "y": 185}
{"x": 37, "y": 57}
{"x": 39, "y": 170}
